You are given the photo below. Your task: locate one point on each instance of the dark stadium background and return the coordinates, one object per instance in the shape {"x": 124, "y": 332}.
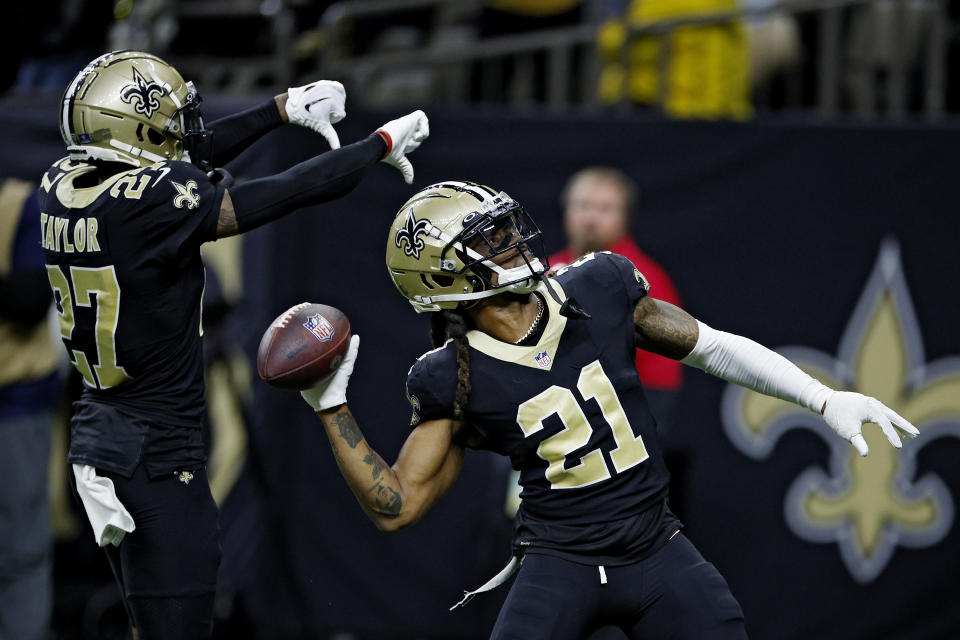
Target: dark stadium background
{"x": 771, "y": 228}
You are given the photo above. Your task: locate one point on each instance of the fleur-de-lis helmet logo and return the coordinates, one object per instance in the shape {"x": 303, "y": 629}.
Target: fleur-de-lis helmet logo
{"x": 408, "y": 237}
{"x": 142, "y": 94}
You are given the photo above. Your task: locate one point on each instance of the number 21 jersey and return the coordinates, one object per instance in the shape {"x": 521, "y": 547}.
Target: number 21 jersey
{"x": 569, "y": 411}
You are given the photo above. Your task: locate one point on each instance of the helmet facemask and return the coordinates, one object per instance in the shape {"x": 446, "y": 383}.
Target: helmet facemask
{"x": 187, "y": 124}
{"x": 454, "y": 243}
{"x": 501, "y": 246}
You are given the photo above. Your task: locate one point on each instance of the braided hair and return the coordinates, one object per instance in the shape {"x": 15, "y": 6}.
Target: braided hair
{"x": 453, "y": 325}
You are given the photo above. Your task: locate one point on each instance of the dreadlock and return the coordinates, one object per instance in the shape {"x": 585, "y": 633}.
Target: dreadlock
{"x": 446, "y": 325}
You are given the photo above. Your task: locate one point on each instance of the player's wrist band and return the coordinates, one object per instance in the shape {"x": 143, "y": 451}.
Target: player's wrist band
{"x": 387, "y": 139}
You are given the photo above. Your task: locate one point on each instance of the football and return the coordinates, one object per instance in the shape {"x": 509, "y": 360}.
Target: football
{"x": 303, "y": 345}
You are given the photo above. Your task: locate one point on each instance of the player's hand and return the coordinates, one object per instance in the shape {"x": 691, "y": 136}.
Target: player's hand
{"x": 318, "y": 106}
{"x": 846, "y": 412}
{"x": 402, "y": 136}
{"x": 332, "y": 390}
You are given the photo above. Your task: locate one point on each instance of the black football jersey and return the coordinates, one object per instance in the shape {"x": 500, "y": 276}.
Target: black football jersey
{"x": 124, "y": 263}
{"x": 570, "y": 413}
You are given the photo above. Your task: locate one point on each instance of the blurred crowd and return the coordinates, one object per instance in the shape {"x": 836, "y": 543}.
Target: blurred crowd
{"x": 687, "y": 58}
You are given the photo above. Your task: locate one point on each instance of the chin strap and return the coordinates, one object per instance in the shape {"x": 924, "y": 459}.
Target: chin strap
{"x": 569, "y": 308}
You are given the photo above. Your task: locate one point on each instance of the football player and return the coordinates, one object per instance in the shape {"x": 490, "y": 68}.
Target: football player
{"x": 123, "y": 218}
{"x": 542, "y": 370}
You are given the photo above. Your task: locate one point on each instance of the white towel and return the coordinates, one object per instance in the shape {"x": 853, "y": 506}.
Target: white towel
{"x": 108, "y": 517}
{"x": 492, "y": 583}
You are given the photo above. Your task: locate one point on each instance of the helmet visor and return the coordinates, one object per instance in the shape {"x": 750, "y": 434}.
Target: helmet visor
{"x": 502, "y": 247}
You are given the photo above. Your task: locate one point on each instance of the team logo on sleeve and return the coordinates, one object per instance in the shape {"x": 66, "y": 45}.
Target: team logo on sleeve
{"x": 415, "y": 406}
{"x": 543, "y": 359}
{"x": 187, "y": 195}
{"x": 408, "y": 238}
{"x": 320, "y": 327}
{"x": 641, "y": 280}
{"x": 142, "y": 94}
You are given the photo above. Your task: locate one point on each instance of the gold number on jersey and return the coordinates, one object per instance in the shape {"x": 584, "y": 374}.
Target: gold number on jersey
{"x": 129, "y": 186}
{"x": 89, "y": 284}
{"x": 555, "y": 449}
{"x": 593, "y": 383}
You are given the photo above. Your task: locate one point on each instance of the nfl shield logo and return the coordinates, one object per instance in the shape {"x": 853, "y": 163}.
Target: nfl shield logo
{"x": 543, "y": 359}
{"x": 320, "y": 327}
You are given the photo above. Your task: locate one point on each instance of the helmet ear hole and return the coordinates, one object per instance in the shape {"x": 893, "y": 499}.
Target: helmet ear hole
{"x": 156, "y": 137}
{"x": 426, "y": 283}
{"x": 443, "y": 281}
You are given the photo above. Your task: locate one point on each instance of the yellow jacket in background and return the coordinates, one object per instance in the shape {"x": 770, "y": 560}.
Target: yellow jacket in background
{"x": 706, "y": 66}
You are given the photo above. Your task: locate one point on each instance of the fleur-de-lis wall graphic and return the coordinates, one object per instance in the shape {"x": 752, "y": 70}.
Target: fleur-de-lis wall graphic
{"x": 867, "y": 506}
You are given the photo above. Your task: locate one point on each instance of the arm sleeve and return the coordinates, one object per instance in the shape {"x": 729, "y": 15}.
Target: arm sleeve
{"x": 320, "y": 179}
{"x": 744, "y": 362}
{"x": 233, "y": 134}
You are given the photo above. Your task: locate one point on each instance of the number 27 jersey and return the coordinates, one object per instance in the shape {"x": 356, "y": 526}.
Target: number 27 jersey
{"x": 124, "y": 263}
{"x": 569, "y": 411}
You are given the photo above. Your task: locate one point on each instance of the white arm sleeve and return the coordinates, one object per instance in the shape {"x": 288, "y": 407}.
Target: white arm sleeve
{"x": 742, "y": 361}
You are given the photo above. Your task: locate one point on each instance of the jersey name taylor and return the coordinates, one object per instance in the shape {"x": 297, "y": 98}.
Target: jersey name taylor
{"x": 124, "y": 264}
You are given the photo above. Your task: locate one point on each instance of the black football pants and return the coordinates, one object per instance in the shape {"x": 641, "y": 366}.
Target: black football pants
{"x": 167, "y": 568}
{"x": 674, "y": 594}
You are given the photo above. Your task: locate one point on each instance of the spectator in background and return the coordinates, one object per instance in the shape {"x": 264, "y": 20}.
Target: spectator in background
{"x": 885, "y": 38}
{"x": 597, "y": 206}
{"x": 29, "y": 386}
{"x": 692, "y": 71}
{"x": 522, "y": 78}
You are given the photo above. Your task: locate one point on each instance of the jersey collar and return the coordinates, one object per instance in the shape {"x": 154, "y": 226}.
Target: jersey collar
{"x": 536, "y": 356}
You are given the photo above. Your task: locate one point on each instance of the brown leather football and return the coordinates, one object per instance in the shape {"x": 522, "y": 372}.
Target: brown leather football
{"x": 303, "y": 345}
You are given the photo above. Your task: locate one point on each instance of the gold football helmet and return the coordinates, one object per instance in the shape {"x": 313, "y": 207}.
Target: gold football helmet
{"x": 134, "y": 108}
{"x": 454, "y": 242}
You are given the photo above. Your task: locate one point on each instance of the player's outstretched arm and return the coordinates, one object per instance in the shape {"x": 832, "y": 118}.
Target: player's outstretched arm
{"x": 393, "y": 497}
{"x": 667, "y": 330}
{"x": 317, "y": 106}
{"x": 325, "y": 177}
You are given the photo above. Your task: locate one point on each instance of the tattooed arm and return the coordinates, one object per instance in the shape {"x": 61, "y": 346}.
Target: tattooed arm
{"x": 662, "y": 328}
{"x": 395, "y": 497}
{"x": 227, "y": 220}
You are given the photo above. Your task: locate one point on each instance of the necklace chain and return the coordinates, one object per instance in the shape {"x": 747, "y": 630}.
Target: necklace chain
{"x": 536, "y": 321}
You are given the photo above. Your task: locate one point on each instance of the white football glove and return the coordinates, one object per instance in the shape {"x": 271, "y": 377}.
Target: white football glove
{"x": 402, "y": 136}
{"x": 318, "y": 106}
{"x": 847, "y": 411}
{"x": 332, "y": 390}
